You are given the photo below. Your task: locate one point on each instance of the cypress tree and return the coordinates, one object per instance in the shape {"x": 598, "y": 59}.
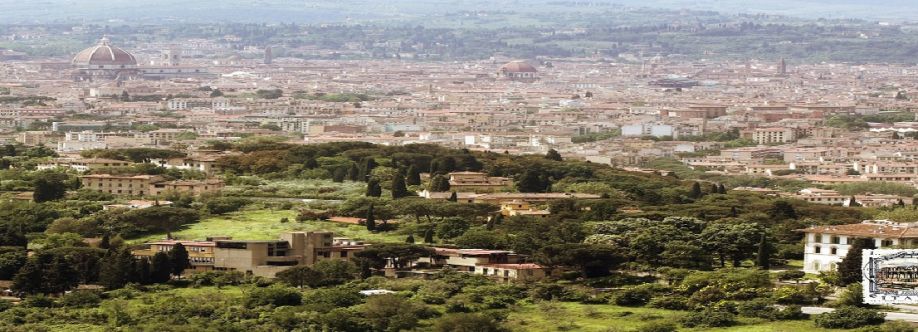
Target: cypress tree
{"x": 849, "y": 270}
{"x": 733, "y": 212}
{"x": 373, "y": 188}
{"x": 721, "y": 189}
{"x": 762, "y": 258}
{"x": 413, "y": 177}
{"x": 399, "y": 189}
{"x": 142, "y": 271}
{"x": 179, "y": 259}
{"x": 339, "y": 174}
{"x": 353, "y": 172}
{"x": 368, "y": 165}
{"x": 410, "y": 238}
{"x": 454, "y": 197}
{"x": 439, "y": 184}
{"x": 371, "y": 219}
{"x": 105, "y": 243}
{"x": 696, "y": 191}
{"x": 713, "y": 188}
{"x": 852, "y": 202}
{"x": 161, "y": 268}
{"x": 429, "y": 235}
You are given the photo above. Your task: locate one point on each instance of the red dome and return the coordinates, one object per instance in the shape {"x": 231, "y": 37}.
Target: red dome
{"x": 104, "y": 54}
{"x": 518, "y": 67}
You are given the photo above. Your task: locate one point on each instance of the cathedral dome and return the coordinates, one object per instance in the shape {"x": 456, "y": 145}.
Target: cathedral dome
{"x": 518, "y": 67}
{"x": 104, "y": 55}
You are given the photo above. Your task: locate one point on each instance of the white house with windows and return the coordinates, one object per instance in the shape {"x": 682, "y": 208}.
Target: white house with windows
{"x": 826, "y": 246}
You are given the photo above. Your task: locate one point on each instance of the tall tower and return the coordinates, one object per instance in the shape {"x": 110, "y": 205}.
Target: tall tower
{"x": 269, "y": 56}
{"x": 782, "y": 67}
{"x": 171, "y": 57}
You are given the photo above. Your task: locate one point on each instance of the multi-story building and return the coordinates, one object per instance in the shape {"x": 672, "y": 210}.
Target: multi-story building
{"x": 497, "y": 264}
{"x": 826, "y": 246}
{"x": 130, "y": 185}
{"x": 261, "y": 258}
{"x": 141, "y": 185}
{"x": 772, "y": 135}
{"x": 475, "y": 181}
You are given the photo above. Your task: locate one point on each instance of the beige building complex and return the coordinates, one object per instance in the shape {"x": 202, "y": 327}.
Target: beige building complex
{"x": 260, "y": 258}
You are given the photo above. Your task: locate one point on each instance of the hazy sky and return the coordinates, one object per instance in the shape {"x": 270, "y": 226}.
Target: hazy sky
{"x": 338, "y": 10}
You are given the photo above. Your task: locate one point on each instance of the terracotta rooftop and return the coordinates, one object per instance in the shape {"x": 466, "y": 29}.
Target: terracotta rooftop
{"x": 878, "y": 228}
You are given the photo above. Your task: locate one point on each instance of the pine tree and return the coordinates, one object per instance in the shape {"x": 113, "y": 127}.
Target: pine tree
{"x": 454, "y": 197}
{"x": 29, "y": 278}
{"x": 849, "y": 269}
{"x": 410, "y": 238}
{"x": 179, "y": 258}
{"x": 160, "y": 268}
{"x": 553, "y": 155}
{"x": 116, "y": 269}
{"x": 48, "y": 190}
{"x": 721, "y": 189}
{"x": 763, "y": 257}
{"x": 353, "y": 172}
{"x": 373, "y": 188}
{"x": 59, "y": 276}
{"x": 413, "y": 176}
{"x": 371, "y": 219}
{"x": 399, "y": 189}
{"x": 696, "y": 191}
{"x": 531, "y": 182}
{"x": 429, "y": 235}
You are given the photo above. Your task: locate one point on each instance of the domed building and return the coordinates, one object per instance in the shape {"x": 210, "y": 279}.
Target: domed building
{"x": 519, "y": 71}
{"x": 104, "y": 61}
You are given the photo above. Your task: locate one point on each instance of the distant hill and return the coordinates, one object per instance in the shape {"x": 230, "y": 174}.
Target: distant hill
{"x": 328, "y": 11}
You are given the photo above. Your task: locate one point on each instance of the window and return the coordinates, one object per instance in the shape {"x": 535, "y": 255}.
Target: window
{"x": 817, "y": 249}
{"x": 344, "y": 254}
{"x": 836, "y": 239}
{"x": 886, "y": 243}
{"x": 833, "y": 251}
{"x": 484, "y": 271}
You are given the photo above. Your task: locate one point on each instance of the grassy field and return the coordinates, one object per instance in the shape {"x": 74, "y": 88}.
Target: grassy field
{"x": 607, "y": 318}
{"x": 266, "y": 225}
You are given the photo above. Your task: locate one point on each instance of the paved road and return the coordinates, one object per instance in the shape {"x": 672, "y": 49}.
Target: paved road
{"x": 889, "y": 315}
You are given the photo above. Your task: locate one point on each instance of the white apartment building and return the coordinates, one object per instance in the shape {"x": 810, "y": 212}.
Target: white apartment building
{"x": 826, "y": 246}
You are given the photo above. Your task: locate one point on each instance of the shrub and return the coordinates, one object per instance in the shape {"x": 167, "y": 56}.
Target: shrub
{"x": 797, "y": 295}
{"x": 38, "y": 301}
{"x": 791, "y": 275}
{"x": 852, "y": 296}
{"x": 791, "y": 312}
{"x": 849, "y": 318}
{"x": 81, "y": 299}
{"x": 635, "y": 296}
{"x": 663, "y": 326}
{"x": 709, "y": 318}
{"x": 891, "y": 326}
{"x": 466, "y": 322}
{"x": 670, "y": 302}
{"x": 221, "y": 205}
{"x": 274, "y": 295}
